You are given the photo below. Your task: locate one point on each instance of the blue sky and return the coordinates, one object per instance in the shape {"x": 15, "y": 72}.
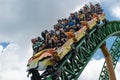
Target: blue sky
{"x": 22, "y": 20}
{"x": 4, "y": 45}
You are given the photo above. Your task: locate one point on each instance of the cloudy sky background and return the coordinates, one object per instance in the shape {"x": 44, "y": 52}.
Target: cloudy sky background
{"x": 21, "y": 20}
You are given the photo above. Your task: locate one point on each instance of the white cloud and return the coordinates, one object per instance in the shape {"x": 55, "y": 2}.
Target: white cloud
{"x": 11, "y": 65}
{"x": 115, "y": 11}
{"x": 93, "y": 69}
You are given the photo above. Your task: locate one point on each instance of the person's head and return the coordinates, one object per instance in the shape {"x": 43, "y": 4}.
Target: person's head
{"x": 66, "y": 21}
{"x": 56, "y": 27}
{"x": 39, "y": 38}
{"x": 75, "y": 13}
{"x": 81, "y": 11}
{"x": 33, "y": 40}
{"x": 84, "y": 8}
{"x": 52, "y": 32}
{"x": 91, "y": 3}
{"x": 49, "y": 36}
{"x": 59, "y": 20}
{"x": 72, "y": 14}
{"x": 46, "y": 31}
{"x": 97, "y": 5}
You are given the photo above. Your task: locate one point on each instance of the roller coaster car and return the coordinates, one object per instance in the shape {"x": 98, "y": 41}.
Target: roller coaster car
{"x": 47, "y": 57}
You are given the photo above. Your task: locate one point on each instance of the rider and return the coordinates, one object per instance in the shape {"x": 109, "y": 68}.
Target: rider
{"x": 98, "y": 8}
{"x": 60, "y": 34}
{"x": 38, "y": 44}
{"x": 35, "y": 49}
{"x": 87, "y": 13}
{"x": 44, "y": 33}
{"x": 92, "y": 8}
{"x": 50, "y": 42}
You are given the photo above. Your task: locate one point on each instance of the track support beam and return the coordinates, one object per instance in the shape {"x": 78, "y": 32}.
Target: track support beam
{"x": 109, "y": 63}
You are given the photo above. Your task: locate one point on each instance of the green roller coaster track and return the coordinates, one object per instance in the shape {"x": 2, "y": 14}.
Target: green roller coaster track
{"x": 115, "y": 53}
{"x": 72, "y": 69}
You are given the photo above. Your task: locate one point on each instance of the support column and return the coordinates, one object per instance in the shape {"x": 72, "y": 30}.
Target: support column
{"x": 109, "y": 63}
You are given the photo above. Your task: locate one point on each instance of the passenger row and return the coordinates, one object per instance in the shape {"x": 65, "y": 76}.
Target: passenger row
{"x": 65, "y": 28}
